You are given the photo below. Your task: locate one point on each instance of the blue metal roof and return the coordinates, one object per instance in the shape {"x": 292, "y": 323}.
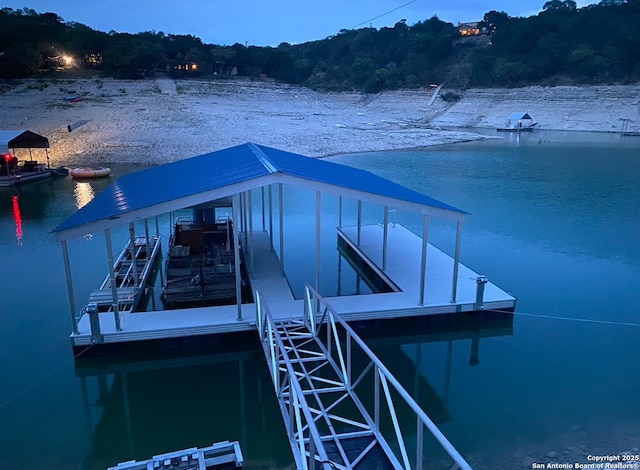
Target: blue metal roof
{"x": 319, "y": 170}
{"x": 160, "y": 185}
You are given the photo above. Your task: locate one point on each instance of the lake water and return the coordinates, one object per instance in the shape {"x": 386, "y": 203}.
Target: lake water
{"x": 555, "y": 220}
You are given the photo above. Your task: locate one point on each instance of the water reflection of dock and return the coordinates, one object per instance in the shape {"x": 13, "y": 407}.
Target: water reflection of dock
{"x": 138, "y": 407}
{"x": 120, "y": 396}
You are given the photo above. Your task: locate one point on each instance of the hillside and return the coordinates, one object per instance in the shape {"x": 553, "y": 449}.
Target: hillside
{"x": 585, "y": 108}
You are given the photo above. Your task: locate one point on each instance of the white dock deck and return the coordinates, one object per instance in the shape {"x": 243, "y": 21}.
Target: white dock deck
{"x": 403, "y": 268}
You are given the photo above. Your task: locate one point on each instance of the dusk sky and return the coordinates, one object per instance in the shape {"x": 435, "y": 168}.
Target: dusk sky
{"x": 266, "y": 23}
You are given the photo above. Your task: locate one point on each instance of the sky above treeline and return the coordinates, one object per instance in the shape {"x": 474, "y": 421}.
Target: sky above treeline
{"x": 267, "y": 23}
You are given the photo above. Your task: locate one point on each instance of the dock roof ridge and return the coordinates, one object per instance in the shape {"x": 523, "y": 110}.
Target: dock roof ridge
{"x": 263, "y": 158}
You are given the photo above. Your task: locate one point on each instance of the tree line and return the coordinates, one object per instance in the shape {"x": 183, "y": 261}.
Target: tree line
{"x": 562, "y": 44}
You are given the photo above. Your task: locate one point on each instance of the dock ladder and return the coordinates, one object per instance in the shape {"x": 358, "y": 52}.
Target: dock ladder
{"x": 341, "y": 406}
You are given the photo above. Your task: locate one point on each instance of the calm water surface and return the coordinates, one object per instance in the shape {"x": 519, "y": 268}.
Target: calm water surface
{"x": 555, "y": 220}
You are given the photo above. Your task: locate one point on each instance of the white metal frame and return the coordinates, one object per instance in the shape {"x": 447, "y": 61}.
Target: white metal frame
{"x": 315, "y": 375}
{"x": 219, "y": 454}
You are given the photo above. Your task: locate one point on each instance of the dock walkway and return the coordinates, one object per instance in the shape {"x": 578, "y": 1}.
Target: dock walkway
{"x": 341, "y": 413}
{"x": 266, "y": 277}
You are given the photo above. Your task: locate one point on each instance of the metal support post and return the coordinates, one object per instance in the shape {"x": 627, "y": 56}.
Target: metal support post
{"x": 481, "y": 281}
{"x": 134, "y": 258}
{"x": 271, "y": 216}
{"x": 385, "y": 237}
{"x": 456, "y": 263}
{"x": 72, "y": 301}
{"x": 318, "y": 238}
{"x": 423, "y": 262}
{"x": 146, "y": 235}
{"x": 236, "y": 253}
{"x": 281, "y": 209}
{"x": 250, "y": 230}
{"x": 359, "y": 222}
{"x": 262, "y": 208}
{"x": 244, "y": 217}
{"x": 112, "y": 280}
{"x": 94, "y": 322}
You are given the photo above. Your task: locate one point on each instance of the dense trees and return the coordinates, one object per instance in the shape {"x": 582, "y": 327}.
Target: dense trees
{"x": 598, "y": 43}
{"x": 562, "y": 44}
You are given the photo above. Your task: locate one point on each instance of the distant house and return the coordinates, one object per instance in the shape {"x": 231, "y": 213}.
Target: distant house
{"x": 93, "y": 59}
{"x": 470, "y": 29}
{"x": 187, "y": 67}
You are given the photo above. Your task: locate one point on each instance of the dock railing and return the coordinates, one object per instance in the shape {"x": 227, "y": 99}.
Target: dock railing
{"x": 299, "y": 421}
{"x": 343, "y": 344}
{"x": 348, "y": 395}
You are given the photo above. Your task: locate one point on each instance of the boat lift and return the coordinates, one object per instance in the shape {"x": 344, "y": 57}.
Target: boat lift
{"x": 340, "y": 404}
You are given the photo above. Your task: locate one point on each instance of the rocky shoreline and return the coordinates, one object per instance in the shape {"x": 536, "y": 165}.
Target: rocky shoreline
{"x": 97, "y": 121}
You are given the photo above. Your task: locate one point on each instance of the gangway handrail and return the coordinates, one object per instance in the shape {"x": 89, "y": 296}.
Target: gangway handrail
{"x": 298, "y": 408}
{"x": 322, "y": 312}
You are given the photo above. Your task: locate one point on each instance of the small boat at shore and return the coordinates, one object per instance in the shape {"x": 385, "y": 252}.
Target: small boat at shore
{"x": 84, "y": 173}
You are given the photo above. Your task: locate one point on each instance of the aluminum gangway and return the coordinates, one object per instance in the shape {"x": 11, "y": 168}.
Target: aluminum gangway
{"x": 341, "y": 406}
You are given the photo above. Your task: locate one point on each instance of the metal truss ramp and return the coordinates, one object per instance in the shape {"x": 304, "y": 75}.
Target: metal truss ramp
{"x": 342, "y": 408}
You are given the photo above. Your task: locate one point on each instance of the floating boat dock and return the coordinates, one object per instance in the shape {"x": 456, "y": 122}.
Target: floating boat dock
{"x": 420, "y": 280}
{"x": 518, "y": 122}
{"x": 403, "y": 272}
{"x": 40, "y": 173}
{"x": 219, "y": 456}
{"x": 14, "y": 172}
{"x": 408, "y": 277}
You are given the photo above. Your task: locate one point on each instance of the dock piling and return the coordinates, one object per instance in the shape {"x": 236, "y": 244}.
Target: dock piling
{"x": 94, "y": 320}
{"x": 480, "y": 283}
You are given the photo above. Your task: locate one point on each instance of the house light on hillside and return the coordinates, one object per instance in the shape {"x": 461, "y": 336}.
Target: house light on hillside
{"x": 469, "y": 29}
{"x": 67, "y": 60}
{"x": 190, "y": 66}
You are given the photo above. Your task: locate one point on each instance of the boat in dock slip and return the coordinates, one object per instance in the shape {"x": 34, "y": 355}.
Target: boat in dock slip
{"x": 131, "y": 271}
{"x": 201, "y": 261}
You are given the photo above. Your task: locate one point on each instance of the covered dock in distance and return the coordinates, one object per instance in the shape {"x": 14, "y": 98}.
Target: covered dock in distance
{"x": 15, "y": 165}
{"x": 518, "y": 121}
{"x": 424, "y": 280}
